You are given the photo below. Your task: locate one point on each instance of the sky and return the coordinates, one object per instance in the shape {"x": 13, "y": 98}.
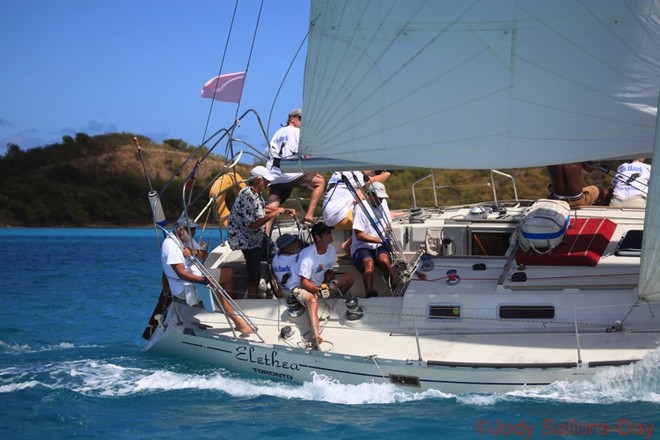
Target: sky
{"x": 138, "y": 66}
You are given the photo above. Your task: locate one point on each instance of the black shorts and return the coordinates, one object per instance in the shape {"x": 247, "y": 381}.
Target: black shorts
{"x": 254, "y": 257}
{"x": 280, "y": 192}
{"x": 364, "y": 253}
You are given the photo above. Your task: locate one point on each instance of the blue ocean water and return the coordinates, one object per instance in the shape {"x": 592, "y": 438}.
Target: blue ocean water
{"x": 72, "y": 366}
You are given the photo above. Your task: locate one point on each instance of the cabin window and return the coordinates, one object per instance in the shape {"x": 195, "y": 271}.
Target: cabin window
{"x": 527, "y": 312}
{"x": 442, "y": 311}
{"x": 489, "y": 243}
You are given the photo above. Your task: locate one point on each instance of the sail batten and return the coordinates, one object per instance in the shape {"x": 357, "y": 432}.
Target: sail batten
{"x": 483, "y": 84}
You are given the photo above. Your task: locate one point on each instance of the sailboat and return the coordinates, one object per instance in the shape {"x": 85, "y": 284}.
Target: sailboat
{"x": 478, "y": 309}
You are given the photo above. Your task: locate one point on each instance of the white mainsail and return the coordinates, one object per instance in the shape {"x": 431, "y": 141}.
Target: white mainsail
{"x": 487, "y": 84}
{"x": 481, "y": 84}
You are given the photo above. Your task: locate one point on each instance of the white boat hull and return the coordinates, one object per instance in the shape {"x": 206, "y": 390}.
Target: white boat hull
{"x": 353, "y": 354}
{"x": 500, "y": 325}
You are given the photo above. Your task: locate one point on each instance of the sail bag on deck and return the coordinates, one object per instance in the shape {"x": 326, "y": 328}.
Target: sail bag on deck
{"x": 544, "y": 225}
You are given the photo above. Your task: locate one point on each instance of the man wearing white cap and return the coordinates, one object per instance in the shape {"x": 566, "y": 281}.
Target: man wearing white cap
{"x": 284, "y": 145}
{"x": 182, "y": 275}
{"x": 246, "y": 227}
{"x": 369, "y": 246}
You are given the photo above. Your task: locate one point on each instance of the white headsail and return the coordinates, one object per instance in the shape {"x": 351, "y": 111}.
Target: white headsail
{"x": 649, "y": 275}
{"x": 481, "y": 84}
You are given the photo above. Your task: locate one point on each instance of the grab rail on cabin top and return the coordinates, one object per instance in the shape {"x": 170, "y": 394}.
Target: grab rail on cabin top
{"x": 492, "y": 180}
{"x": 435, "y": 194}
{"x": 436, "y": 187}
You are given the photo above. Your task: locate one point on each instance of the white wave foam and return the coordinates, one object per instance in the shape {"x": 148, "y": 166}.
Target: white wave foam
{"x": 9, "y": 388}
{"x": 14, "y": 348}
{"x": 629, "y": 383}
{"x": 636, "y": 382}
{"x": 480, "y": 399}
{"x": 91, "y": 377}
{"x": 7, "y": 348}
{"x": 321, "y": 388}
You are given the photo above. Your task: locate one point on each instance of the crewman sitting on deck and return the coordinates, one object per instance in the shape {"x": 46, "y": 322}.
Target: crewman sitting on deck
{"x": 567, "y": 185}
{"x": 631, "y": 184}
{"x": 182, "y": 274}
{"x": 370, "y": 246}
{"x": 289, "y": 247}
{"x": 314, "y": 277}
{"x": 339, "y": 199}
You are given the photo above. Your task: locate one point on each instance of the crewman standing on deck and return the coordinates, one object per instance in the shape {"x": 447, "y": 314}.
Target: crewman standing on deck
{"x": 284, "y": 145}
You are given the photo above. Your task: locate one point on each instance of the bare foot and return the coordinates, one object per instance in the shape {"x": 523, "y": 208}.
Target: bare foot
{"x": 316, "y": 342}
{"x": 244, "y": 329}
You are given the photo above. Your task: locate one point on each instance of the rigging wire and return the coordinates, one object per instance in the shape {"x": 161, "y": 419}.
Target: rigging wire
{"x": 286, "y": 74}
{"x": 230, "y": 150}
{"x": 222, "y": 63}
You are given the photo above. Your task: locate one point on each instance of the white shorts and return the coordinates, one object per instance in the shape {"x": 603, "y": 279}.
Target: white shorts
{"x": 631, "y": 202}
{"x": 189, "y": 294}
{"x": 303, "y": 296}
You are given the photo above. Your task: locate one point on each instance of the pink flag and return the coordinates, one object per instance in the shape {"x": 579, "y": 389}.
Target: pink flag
{"x": 227, "y": 87}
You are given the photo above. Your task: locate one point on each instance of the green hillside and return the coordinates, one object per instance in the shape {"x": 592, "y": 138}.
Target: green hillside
{"x": 93, "y": 181}
{"x": 100, "y": 181}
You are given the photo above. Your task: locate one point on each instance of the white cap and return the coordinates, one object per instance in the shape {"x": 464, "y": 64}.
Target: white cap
{"x": 378, "y": 189}
{"x": 260, "y": 171}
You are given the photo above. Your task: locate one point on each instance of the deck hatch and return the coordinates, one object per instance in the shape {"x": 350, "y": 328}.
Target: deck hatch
{"x": 444, "y": 311}
{"x": 489, "y": 243}
{"x": 526, "y": 312}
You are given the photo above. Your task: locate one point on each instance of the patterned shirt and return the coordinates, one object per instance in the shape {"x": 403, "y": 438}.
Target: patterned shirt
{"x": 249, "y": 207}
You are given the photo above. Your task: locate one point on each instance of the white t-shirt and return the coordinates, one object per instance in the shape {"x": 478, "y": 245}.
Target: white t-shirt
{"x": 284, "y": 264}
{"x": 363, "y": 222}
{"x": 637, "y": 186}
{"x": 313, "y": 266}
{"x": 283, "y": 145}
{"x": 171, "y": 253}
{"x": 356, "y": 178}
{"x": 338, "y": 199}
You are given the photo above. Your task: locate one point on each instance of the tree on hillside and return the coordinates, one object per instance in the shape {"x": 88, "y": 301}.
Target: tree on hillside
{"x": 177, "y": 144}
